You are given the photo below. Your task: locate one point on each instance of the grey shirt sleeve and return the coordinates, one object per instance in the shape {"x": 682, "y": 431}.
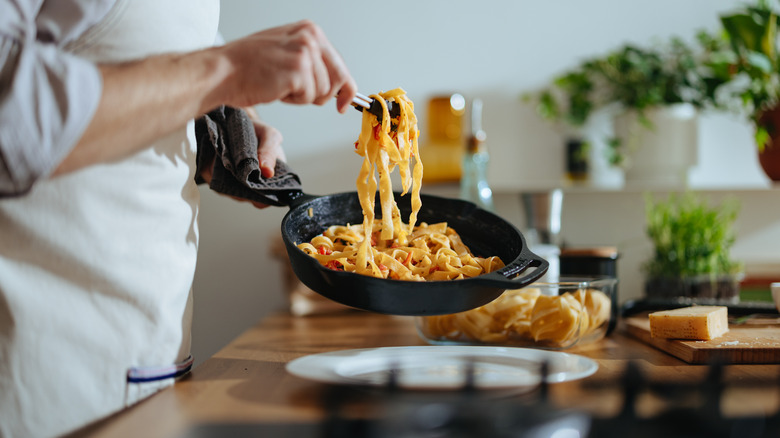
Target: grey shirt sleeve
{"x": 47, "y": 98}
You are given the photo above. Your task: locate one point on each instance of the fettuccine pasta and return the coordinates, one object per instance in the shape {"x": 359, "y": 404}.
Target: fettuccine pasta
{"x": 388, "y": 247}
{"x": 526, "y": 317}
{"x": 432, "y": 252}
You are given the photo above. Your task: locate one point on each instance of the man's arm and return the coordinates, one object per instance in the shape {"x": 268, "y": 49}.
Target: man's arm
{"x": 147, "y": 99}
{"x": 144, "y": 100}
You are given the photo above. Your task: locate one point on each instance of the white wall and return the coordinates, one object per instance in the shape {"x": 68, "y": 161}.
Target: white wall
{"x": 495, "y": 50}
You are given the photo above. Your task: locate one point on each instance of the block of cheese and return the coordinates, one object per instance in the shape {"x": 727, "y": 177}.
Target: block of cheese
{"x": 695, "y": 322}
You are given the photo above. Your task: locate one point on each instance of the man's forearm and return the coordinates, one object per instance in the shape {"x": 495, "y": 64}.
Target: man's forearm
{"x": 144, "y": 100}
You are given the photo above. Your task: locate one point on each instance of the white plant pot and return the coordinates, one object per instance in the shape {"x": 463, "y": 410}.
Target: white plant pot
{"x": 660, "y": 156}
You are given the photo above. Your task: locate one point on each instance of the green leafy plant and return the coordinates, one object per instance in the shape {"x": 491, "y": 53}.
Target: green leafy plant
{"x": 744, "y": 63}
{"x": 629, "y": 78}
{"x": 690, "y": 237}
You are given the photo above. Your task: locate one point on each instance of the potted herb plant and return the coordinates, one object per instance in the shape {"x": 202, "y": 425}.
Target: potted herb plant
{"x": 644, "y": 87}
{"x": 745, "y": 65}
{"x": 691, "y": 243}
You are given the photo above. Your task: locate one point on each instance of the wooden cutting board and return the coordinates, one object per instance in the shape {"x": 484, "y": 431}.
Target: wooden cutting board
{"x": 756, "y": 341}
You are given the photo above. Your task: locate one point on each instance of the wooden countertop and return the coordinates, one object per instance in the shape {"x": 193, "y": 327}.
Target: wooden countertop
{"x": 246, "y": 382}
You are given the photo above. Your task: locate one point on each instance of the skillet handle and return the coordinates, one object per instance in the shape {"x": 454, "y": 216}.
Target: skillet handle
{"x": 514, "y": 275}
{"x": 293, "y": 198}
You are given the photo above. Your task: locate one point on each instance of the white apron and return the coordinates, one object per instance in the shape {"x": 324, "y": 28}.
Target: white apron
{"x": 96, "y": 266}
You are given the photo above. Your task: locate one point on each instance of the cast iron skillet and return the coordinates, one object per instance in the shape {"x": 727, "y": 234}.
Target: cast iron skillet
{"x": 483, "y": 232}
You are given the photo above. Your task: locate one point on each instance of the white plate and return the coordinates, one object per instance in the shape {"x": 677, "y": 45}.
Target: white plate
{"x": 442, "y": 367}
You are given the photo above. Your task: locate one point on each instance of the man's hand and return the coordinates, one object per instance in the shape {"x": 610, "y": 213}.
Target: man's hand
{"x": 269, "y": 144}
{"x": 294, "y": 63}
{"x": 269, "y": 149}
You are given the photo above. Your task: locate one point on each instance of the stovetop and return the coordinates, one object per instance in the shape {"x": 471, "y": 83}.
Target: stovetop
{"x": 390, "y": 412}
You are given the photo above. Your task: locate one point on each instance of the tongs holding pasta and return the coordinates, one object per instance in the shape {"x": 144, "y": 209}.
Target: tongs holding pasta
{"x": 362, "y": 102}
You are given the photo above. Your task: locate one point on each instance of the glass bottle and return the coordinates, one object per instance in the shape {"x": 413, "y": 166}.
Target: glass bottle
{"x": 576, "y": 160}
{"x": 474, "y": 185}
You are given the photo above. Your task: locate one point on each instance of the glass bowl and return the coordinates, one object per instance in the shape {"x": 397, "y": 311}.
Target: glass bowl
{"x": 573, "y": 311}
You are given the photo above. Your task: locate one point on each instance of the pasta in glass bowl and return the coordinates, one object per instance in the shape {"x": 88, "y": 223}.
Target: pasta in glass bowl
{"x": 556, "y": 316}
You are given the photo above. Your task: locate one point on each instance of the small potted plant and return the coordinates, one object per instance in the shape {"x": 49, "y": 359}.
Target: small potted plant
{"x": 744, "y": 63}
{"x": 691, "y": 244}
{"x": 642, "y": 87}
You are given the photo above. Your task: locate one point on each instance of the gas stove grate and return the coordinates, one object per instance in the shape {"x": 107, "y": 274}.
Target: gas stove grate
{"x": 391, "y": 412}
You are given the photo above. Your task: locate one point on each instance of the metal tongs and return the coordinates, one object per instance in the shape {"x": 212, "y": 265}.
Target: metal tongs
{"x": 361, "y": 102}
